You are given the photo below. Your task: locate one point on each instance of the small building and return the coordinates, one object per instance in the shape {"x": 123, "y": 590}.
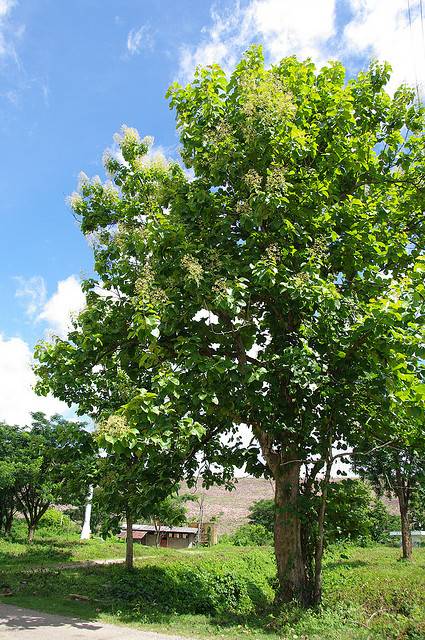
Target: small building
{"x": 418, "y": 537}
{"x": 173, "y": 537}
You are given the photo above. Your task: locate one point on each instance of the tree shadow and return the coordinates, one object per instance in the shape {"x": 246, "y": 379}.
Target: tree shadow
{"x": 149, "y": 594}
{"x": 35, "y": 555}
{"x": 346, "y": 564}
{"x": 20, "y": 619}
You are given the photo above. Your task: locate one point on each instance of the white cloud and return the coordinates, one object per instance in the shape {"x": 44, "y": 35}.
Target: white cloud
{"x": 139, "y": 39}
{"x": 6, "y": 46}
{"x": 383, "y": 29}
{"x": 5, "y": 7}
{"x": 17, "y": 398}
{"x": 283, "y": 27}
{"x": 58, "y": 310}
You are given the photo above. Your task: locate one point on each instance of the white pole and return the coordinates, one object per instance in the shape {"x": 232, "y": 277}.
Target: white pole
{"x": 86, "y": 531}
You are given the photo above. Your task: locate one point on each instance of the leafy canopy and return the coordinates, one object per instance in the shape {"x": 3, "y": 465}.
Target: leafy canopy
{"x": 278, "y": 286}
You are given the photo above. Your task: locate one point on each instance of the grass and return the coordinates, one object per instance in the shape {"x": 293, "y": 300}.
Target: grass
{"x": 48, "y": 551}
{"x": 368, "y": 592}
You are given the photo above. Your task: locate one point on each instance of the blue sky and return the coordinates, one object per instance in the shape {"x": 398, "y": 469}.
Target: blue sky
{"x": 71, "y": 73}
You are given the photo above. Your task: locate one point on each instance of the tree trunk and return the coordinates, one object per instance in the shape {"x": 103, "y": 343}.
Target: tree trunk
{"x": 8, "y": 523}
{"x": 406, "y": 537}
{"x": 403, "y": 501}
{"x": 31, "y": 532}
{"x": 129, "y": 541}
{"x": 287, "y": 535}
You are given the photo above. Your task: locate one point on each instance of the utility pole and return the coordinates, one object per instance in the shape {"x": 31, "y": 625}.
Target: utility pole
{"x": 86, "y": 530}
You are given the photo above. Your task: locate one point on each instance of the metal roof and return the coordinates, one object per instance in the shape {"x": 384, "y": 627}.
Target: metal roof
{"x": 413, "y": 533}
{"x": 151, "y": 528}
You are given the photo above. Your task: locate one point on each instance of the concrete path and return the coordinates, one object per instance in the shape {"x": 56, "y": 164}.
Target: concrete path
{"x": 24, "y": 624}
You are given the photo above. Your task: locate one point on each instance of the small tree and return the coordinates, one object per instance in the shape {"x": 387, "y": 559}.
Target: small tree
{"x": 400, "y": 471}
{"x": 170, "y": 512}
{"x": 263, "y": 512}
{"x": 10, "y": 444}
{"x": 55, "y": 461}
{"x": 135, "y": 485}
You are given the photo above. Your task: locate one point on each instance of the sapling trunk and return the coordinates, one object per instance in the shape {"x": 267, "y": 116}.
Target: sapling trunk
{"x": 129, "y": 551}
{"x": 403, "y": 501}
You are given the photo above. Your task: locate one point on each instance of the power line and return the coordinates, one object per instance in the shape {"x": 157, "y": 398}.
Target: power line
{"x": 409, "y": 12}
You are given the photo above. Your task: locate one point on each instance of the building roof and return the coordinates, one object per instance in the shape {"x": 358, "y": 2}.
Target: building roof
{"x": 150, "y": 528}
{"x": 413, "y": 533}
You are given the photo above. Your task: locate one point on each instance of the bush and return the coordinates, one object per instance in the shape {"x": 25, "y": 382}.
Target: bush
{"x": 262, "y": 512}
{"x": 210, "y": 587}
{"x": 251, "y": 535}
{"x": 57, "y": 521}
{"x": 354, "y": 513}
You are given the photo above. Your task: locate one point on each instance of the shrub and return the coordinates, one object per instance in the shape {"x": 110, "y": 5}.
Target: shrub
{"x": 352, "y": 513}
{"x": 251, "y": 535}
{"x": 262, "y": 512}
{"x": 210, "y": 587}
{"x": 56, "y": 521}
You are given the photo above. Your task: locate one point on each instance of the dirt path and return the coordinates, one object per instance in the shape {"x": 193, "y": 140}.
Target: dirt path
{"x": 26, "y": 624}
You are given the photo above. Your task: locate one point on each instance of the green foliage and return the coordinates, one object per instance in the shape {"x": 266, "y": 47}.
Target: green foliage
{"x": 263, "y": 512}
{"x": 250, "y": 535}
{"x": 353, "y": 513}
{"x": 52, "y": 462}
{"x": 56, "y": 521}
{"x": 185, "y": 589}
{"x": 302, "y": 234}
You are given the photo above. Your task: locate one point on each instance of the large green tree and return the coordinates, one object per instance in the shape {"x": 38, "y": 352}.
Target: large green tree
{"x": 263, "y": 288}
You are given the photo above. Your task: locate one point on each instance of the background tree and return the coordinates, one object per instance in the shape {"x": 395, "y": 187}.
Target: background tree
{"x": 353, "y": 512}
{"x": 10, "y": 443}
{"x": 398, "y": 471}
{"x": 265, "y": 291}
{"x": 134, "y": 483}
{"x": 55, "y": 463}
{"x": 170, "y": 512}
{"x": 263, "y": 512}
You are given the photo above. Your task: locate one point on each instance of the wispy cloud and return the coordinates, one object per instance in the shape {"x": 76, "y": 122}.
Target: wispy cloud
{"x": 284, "y": 27}
{"x": 32, "y": 292}
{"x": 140, "y": 39}
{"x": 55, "y": 311}
{"x": 7, "y": 34}
{"x": 390, "y": 30}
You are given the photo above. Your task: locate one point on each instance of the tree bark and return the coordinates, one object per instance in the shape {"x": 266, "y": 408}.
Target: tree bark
{"x": 403, "y": 501}
{"x": 318, "y": 556}
{"x": 287, "y": 535}
{"x": 31, "y": 531}
{"x": 129, "y": 541}
{"x": 8, "y": 523}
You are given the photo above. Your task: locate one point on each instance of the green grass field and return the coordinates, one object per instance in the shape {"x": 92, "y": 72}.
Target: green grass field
{"x": 221, "y": 592}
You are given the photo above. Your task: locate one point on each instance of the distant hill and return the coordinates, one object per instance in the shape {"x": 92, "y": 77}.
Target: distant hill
{"x": 231, "y": 508}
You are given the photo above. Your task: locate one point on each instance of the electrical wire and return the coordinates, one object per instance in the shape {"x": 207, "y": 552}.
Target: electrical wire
{"x": 409, "y": 12}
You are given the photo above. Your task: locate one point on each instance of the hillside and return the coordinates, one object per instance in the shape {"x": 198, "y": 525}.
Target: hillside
{"x": 231, "y": 508}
